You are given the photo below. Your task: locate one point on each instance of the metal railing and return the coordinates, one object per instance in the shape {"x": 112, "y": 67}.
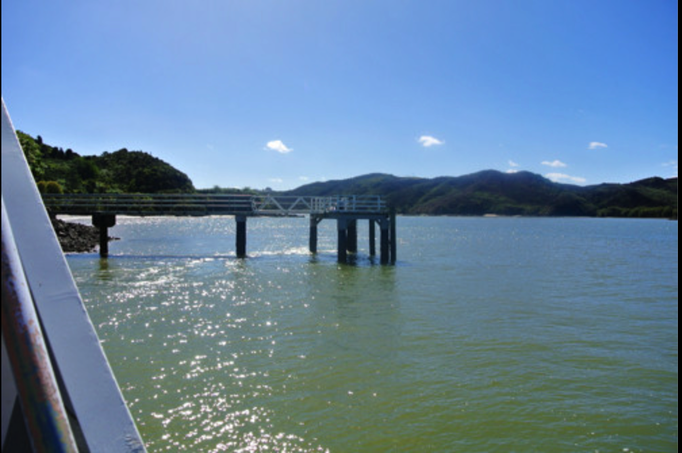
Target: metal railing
{"x": 43, "y": 408}
{"x": 291, "y": 205}
{"x": 147, "y": 204}
{"x": 41, "y": 306}
{"x": 209, "y": 204}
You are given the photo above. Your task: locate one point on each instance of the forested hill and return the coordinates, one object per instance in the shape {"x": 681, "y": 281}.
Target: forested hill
{"x": 122, "y": 171}
{"x": 522, "y": 193}
{"x": 485, "y": 192}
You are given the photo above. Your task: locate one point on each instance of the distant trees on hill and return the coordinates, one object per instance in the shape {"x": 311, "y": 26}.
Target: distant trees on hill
{"x": 522, "y": 193}
{"x": 486, "y": 192}
{"x": 121, "y": 171}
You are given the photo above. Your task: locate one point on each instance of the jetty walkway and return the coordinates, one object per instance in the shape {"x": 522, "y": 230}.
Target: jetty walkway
{"x": 346, "y": 210}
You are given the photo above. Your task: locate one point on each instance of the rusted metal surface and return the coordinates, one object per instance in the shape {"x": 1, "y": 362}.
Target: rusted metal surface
{"x": 43, "y": 409}
{"x": 96, "y": 402}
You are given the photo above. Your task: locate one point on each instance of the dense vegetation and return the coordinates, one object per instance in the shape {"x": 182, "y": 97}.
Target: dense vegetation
{"x": 486, "y": 192}
{"x": 522, "y": 193}
{"x": 123, "y": 171}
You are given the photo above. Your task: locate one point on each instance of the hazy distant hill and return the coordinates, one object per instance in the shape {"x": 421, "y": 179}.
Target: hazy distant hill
{"x": 522, "y": 193}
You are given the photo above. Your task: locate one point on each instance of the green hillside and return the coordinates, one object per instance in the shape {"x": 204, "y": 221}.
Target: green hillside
{"x": 522, "y": 193}
{"x": 122, "y": 171}
{"x": 485, "y": 192}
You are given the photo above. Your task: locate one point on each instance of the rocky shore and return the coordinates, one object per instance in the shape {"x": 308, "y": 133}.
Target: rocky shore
{"x": 76, "y": 237}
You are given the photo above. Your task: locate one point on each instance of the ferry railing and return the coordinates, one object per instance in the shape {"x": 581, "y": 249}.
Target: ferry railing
{"x": 44, "y": 412}
{"x": 97, "y": 412}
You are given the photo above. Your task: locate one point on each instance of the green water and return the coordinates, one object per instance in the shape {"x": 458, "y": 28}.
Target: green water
{"x": 490, "y": 334}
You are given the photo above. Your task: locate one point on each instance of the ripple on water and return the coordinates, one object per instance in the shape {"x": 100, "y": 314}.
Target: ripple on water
{"x": 490, "y": 335}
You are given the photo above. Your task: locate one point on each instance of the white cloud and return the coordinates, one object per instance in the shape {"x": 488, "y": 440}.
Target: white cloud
{"x": 554, "y": 163}
{"x": 277, "y": 145}
{"x": 597, "y": 145}
{"x": 276, "y": 180}
{"x": 672, "y": 164}
{"x": 512, "y": 171}
{"x": 427, "y": 141}
{"x": 561, "y": 177}
{"x": 513, "y": 164}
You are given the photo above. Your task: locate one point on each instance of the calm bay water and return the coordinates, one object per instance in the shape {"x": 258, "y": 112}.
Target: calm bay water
{"x": 490, "y": 334}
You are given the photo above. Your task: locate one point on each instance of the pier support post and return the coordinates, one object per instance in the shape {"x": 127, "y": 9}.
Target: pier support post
{"x": 312, "y": 244}
{"x": 372, "y": 238}
{"x": 103, "y": 222}
{"x": 241, "y": 236}
{"x": 352, "y": 237}
{"x": 342, "y": 249}
{"x": 394, "y": 239}
{"x": 385, "y": 240}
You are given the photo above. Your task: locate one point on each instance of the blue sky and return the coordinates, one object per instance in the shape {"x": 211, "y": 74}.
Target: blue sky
{"x": 278, "y": 93}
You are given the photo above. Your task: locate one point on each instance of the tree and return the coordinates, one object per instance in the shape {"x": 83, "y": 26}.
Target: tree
{"x": 33, "y": 154}
{"x": 86, "y": 168}
{"x": 53, "y": 187}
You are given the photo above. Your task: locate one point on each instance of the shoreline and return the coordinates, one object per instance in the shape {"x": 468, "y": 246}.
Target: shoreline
{"x": 76, "y": 237}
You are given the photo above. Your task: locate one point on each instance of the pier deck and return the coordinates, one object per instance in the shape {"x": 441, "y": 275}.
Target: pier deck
{"x": 346, "y": 210}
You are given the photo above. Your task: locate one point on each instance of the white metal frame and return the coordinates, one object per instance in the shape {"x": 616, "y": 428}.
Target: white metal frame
{"x": 78, "y": 358}
{"x": 199, "y": 204}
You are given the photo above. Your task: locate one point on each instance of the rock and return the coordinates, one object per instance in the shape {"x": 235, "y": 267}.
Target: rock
{"x": 76, "y": 237}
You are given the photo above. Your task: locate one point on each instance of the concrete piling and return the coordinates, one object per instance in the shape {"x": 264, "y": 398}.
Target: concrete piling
{"x": 342, "y": 244}
{"x": 241, "y": 236}
{"x": 312, "y": 243}
{"x": 394, "y": 239}
{"x": 372, "y": 238}
{"x": 352, "y": 236}
{"x": 103, "y": 222}
{"x": 385, "y": 241}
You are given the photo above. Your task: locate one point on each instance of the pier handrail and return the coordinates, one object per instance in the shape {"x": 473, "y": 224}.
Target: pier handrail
{"x": 146, "y": 204}
{"x": 209, "y": 204}
{"x": 291, "y": 204}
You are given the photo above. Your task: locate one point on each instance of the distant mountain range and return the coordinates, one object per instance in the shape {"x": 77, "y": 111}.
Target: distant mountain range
{"x": 485, "y": 192}
{"x": 494, "y": 192}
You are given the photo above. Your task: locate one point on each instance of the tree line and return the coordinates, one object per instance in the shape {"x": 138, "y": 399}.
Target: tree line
{"x": 494, "y": 192}
{"x": 487, "y": 192}
{"x": 64, "y": 171}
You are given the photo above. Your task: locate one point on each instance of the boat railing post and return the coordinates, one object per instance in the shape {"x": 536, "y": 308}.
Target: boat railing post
{"x": 38, "y": 391}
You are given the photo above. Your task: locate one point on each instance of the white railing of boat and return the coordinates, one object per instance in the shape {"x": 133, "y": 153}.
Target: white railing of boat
{"x": 97, "y": 413}
{"x": 25, "y": 353}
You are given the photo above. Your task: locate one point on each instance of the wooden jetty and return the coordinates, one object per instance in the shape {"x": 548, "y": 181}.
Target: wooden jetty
{"x": 346, "y": 210}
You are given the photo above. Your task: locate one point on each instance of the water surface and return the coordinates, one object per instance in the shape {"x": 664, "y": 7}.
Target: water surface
{"x": 490, "y": 334}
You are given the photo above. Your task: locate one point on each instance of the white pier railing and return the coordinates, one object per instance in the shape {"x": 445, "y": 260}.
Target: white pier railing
{"x": 210, "y": 204}
{"x": 292, "y": 205}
